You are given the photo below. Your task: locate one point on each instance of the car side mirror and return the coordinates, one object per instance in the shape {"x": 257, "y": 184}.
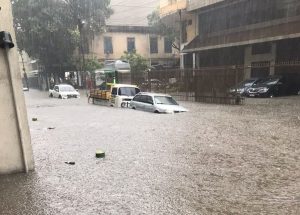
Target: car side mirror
{"x": 76, "y": 90}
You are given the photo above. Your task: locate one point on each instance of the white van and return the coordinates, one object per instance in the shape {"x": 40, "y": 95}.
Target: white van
{"x": 122, "y": 94}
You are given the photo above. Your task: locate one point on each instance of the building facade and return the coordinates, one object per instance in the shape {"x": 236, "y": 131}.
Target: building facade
{"x": 255, "y": 34}
{"x": 112, "y": 44}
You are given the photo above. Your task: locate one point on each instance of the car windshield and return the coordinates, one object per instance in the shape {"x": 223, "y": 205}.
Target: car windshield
{"x": 166, "y": 100}
{"x": 66, "y": 89}
{"x": 247, "y": 83}
{"x": 271, "y": 81}
{"x": 128, "y": 91}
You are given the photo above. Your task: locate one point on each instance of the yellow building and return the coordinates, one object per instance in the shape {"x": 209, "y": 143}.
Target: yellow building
{"x": 112, "y": 44}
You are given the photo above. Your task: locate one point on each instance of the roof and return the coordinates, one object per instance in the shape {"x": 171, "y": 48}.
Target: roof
{"x": 131, "y": 12}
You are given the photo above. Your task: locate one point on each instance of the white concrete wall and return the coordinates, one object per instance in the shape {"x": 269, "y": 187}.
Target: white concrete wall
{"x": 14, "y": 130}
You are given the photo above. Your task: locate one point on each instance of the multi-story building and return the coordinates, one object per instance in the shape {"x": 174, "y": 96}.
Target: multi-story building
{"x": 253, "y": 33}
{"x": 174, "y": 13}
{"x": 112, "y": 44}
{"x": 127, "y": 29}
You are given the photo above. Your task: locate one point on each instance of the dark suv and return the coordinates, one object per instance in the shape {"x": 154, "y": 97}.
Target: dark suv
{"x": 243, "y": 86}
{"x": 269, "y": 87}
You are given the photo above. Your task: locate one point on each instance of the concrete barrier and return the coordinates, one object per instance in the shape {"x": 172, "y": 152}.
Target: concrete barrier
{"x": 15, "y": 142}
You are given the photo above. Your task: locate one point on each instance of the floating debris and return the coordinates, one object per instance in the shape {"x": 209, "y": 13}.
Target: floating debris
{"x": 100, "y": 153}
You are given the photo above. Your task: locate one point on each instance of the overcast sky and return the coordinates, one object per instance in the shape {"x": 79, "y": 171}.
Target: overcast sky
{"x": 131, "y": 12}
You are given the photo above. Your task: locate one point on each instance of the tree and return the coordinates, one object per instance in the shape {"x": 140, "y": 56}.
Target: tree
{"x": 48, "y": 30}
{"x": 92, "y": 64}
{"x": 137, "y": 63}
{"x": 158, "y": 25}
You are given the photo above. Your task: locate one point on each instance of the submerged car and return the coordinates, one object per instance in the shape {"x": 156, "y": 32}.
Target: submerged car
{"x": 64, "y": 91}
{"x": 269, "y": 87}
{"x": 157, "y": 103}
{"x": 243, "y": 86}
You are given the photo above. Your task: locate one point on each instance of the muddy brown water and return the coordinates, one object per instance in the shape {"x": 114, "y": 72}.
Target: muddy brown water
{"x": 215, "y": 159}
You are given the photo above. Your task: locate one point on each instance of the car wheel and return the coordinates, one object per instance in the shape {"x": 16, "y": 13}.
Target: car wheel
{"x": 133, "y": 108}
{"x": 156, "y": 111}
{"x": 51, "y": 95}
{"x": 59, "y": 97}
{"x": 271, "y": 95}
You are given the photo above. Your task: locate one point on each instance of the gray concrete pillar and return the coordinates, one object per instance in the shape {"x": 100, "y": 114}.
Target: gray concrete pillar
{"x": 194, "y": 60}
{"x": 15, "y": 142}
{"x": 273, "y": 59}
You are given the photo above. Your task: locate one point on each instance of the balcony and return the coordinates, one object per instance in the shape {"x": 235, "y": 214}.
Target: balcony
{"x": 168, "y": 7}
{"x": 197, "y": 4}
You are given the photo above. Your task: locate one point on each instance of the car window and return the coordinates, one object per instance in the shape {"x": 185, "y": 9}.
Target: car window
{"x": 128, "y": 91}
{"x": 56, "y": 88}
{"x": 114, "y": 91}
{"x": 66, "y": 88}
{"x": 137, "y": 98}
{"x": 143, "y": 99}
{"x": 149, "y": 100}
{"x": 137, "y": 90}
{"x": 166, "y": 100}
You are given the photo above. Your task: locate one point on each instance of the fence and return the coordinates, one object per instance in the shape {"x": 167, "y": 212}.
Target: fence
{"x": 202, "y": 85}
{"x": 212, "y": 84}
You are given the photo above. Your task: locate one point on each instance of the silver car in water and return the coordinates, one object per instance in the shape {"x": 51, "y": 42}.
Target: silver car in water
{"x": 157, "y": 103}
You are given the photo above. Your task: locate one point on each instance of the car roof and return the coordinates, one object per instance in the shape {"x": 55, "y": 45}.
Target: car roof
{"x": 153, "y": 94}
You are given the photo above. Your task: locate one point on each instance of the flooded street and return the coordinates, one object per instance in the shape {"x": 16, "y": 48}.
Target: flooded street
{"x": 215, "y": 159}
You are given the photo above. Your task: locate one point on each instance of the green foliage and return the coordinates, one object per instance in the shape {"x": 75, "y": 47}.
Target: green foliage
{"x": 137, "y": 62}
{"x": 92, "y": 64}
{"x": 50, "y": 30}
{"x": 156, "y": 23}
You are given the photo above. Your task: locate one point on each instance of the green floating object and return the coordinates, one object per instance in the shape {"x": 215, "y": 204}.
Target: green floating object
{"x": 100, "y": 153}
{"x": 34, "y": 119}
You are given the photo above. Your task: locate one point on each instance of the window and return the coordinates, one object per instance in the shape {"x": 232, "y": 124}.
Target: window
{"x": 168, "y": 45}
{"x": 137, "y": 98}
{"x": 166, "y": 100}
{"x": 128, "y": 91}
{"x": 130, "y": 44}
{"x": 153, "y": 45}
{"x": 149, "y": 100}
{"x": 108, "y": 47}
{"x": 143, "y": 99}
{"x": 114, "y": 91}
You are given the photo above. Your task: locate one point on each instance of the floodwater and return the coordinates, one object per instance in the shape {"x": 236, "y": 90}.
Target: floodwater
{"x": 215, "y": 159}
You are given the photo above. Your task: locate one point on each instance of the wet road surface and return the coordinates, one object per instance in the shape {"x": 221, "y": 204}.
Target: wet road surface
{"x": 214, "y": 159}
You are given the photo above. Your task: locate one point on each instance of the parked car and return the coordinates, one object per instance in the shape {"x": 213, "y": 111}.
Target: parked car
{"x": 269, "y": 87}
{"x": 243, "y": 86}
{"x": 157, "y": 103}
{"x": 63, "y": 91}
